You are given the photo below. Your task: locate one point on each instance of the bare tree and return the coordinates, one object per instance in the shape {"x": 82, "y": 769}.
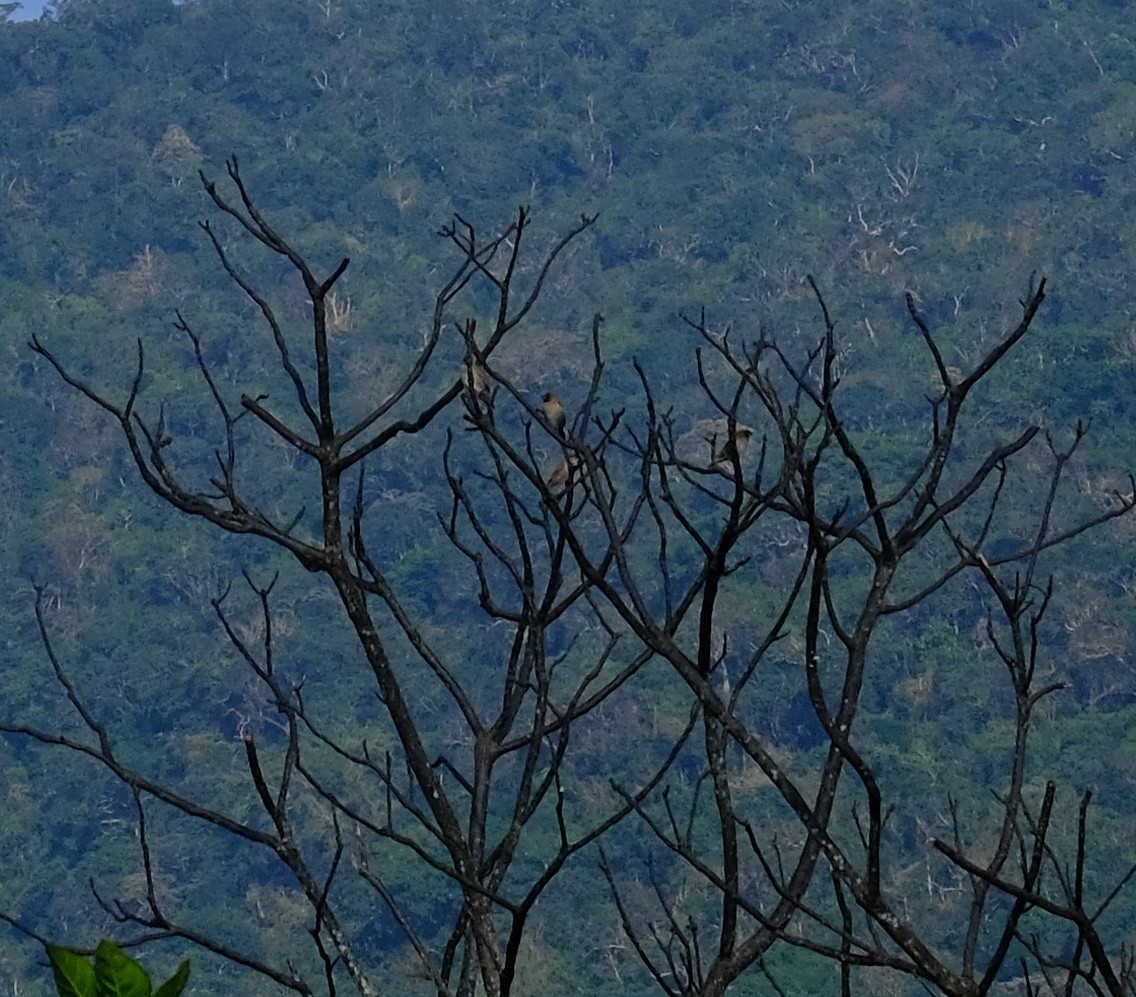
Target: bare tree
{"x": 636, "y": 549}
{"x": 866, "y": 545}
{"x": 461, "y": 809}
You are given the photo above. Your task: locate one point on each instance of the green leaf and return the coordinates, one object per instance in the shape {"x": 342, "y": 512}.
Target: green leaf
{"x": 118, "y": 975}
{"x": 74, "y": 975}
{"x": 176, "y": 983}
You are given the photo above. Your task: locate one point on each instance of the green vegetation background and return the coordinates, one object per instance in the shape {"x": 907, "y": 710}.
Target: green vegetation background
{"x": 730, "y": 147}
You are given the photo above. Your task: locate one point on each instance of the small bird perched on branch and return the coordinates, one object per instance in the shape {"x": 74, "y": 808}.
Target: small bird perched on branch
{"x": 735, "y": 446}
{"x": 554, "y": 411}
{"x": 566, "y": 472}
{"x": 474, "y": 376}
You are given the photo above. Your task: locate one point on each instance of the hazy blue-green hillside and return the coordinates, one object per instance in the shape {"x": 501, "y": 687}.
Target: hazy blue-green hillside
{"x": 730, "y": 148}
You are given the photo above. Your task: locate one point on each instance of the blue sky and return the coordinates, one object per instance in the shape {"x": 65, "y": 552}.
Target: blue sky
{"x": 30, "y": 10}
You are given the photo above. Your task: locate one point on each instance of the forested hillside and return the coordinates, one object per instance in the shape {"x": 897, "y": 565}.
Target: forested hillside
{"x": 729, "y": 149}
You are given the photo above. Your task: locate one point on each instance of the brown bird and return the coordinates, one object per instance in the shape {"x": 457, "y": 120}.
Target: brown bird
{"x": 474, "y": 376}
{"x": 726, "y": 452}
{"x": 566, "y": 472}
{"x": 554, "y": 411}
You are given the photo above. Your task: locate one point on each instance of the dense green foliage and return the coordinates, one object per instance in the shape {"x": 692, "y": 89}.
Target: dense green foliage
{"x": 730, "y": 147}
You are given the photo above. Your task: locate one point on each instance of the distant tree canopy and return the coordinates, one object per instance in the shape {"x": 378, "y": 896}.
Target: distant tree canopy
{"x": 645, "y": 576}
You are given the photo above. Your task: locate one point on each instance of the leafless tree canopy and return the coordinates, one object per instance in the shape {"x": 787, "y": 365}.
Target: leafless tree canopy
{"x": 608, "y": 546}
